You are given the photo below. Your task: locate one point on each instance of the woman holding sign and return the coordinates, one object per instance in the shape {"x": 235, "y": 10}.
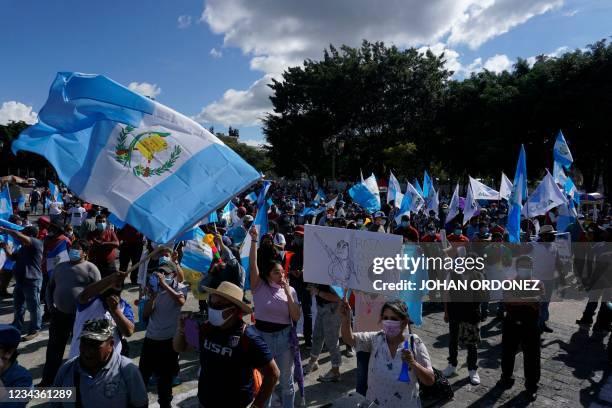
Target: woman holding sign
{"x": 397, "y": 362}
{"x": 276, "y": 309}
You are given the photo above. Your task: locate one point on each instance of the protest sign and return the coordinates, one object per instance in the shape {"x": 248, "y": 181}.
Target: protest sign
{"x": 343, "y": 257}
{"x": 367, "y": 311}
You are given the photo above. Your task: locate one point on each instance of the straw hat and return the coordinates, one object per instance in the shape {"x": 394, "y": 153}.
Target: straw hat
{"x": 231, "y": 292}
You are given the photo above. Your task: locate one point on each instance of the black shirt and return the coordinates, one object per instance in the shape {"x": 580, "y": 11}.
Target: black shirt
{"x": 227, "y": 362}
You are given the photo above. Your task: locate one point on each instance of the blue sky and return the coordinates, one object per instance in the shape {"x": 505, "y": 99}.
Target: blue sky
{"x": 212, "y": 60}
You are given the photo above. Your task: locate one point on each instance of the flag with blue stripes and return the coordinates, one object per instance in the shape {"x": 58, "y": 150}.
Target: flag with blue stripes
{"x": 197, "y": 255}
{"x": 366, "y": 194}
{"x": 561, "y": 151}
{"x": 56, "y": 256}
{"x": 320, "y": 195}
{"x": 418, "y": 187}
{"x": 394, "y": 191}
{"x": 6, "y": 207}
{"x": 519, "y": 194}
{"x": 261, "y": 197}
{"x": 229, "y": 213}
{"x": 427, "y": 185}
{"x": 252, "y": 197}
{"x": 261, "y": 224}
{"x": 151, "y": 166}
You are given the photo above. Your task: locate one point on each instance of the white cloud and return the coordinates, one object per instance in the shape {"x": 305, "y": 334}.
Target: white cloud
{"x": 498, "y": 63}
{"x": 145, "y": 88}
{"x": 556, "y": 53}
{"x": 571, "y": 13}
{"x": 215, "y": 53}
{"x": 237, "y": 107}
{"x": 184, "y": 21}
{"x": 480, "y": 23}
{"x": 277, "y": 34}
{"x": 451, "y": 56}
{"x": 13, "y": 111}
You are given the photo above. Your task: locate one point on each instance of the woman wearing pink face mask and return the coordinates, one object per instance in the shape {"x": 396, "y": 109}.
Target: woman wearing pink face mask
{"x": 276, "y": 308}
{"x": 389, "y": 349}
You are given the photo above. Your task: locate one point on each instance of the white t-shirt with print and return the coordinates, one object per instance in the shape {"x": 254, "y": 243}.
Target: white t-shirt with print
{"x": 384, "y": 370}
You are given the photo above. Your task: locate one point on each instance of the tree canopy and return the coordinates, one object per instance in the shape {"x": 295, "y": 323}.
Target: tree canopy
{"x": 400, "y": 110}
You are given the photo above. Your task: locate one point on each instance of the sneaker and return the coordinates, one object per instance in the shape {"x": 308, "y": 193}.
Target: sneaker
{"x": 449, "y": 370}
{"x": 30, "y": 336}
{"x": 350, "y": 352}
{"x": 474, "y": 377}
{"x": 329, "y": 377}
{"x": 310, "y": 367}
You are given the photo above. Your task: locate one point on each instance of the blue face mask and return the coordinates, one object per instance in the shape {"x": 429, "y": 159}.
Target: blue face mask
{"x": 457, "y": 232}
{"x": 169, "y": 280}
{"x": 164, "y": 260}
{"x": 405, "y": 224}
{"x": 74, "y": 255}
{"x": 101, "y": 226}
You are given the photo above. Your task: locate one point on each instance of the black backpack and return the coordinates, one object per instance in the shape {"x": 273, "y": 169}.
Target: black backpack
{"x": 440, "y": 390}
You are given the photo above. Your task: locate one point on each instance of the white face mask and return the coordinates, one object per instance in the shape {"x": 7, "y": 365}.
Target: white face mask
{"x": 215, "y": 317}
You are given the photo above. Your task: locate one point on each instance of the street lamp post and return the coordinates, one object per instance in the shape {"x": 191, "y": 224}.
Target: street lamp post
{"x": 334, "y": 146}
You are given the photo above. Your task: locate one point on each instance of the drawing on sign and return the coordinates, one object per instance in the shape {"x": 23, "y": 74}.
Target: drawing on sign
{"x": 341, "y": 266}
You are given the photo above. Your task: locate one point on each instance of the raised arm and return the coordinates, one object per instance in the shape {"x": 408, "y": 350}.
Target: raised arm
{"x": 253, "y": 269}
{"x": 345, "y": 329}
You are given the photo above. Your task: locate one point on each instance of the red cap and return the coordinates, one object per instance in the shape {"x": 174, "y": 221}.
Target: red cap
{"x": 299, "y": 230}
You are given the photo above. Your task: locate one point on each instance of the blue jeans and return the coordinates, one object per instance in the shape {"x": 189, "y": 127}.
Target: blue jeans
{"x": 278, "y": 342}
{"x": 27, "y": 293}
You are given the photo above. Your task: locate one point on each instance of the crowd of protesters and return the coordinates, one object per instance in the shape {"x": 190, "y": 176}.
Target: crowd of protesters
{"x": 83, "y": 303}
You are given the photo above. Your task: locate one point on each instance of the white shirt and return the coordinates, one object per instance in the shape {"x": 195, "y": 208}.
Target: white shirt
{"x": 95, "y": 310}
{"x": 384, "y": 370}
{"x": 76, "y": 216}
{"x": 279, "y": 239}
{"x": 55, "y": 208}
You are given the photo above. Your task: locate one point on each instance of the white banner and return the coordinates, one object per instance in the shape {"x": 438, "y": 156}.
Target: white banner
{"x": 343, "y": 257}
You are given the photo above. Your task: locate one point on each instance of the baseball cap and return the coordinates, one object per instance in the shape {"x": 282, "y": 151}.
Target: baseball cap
{"x": 97, "y": 329}
{"x": 9, "y": 336}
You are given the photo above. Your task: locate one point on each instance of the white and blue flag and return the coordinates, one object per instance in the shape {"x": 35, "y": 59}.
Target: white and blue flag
{"x": 559, "y": 174}
{"x": 561, "y": 152}
{"x": 6, "y": 207}
{"x": 470, "y": 206}
{"x": 366, "y": 194}
{"x": 569, "y": 188}
{"x": 252, "y": 196}
{"x": 55, "y": 192}
{"x": 483, "y": 192}
{"x": 394, "y": 191}
{"x": 320, "y": 195}
{"x": 412, "y": 201}
{"x": 505, "y": 187}
{"x": 544, "y": 198}
{"x": 453, "y": 207}
{"x": 151, "y": 166}
{"x": 229, "y": 213}
{"x": 519, "y": 194}
{"x": 427, "y": 185}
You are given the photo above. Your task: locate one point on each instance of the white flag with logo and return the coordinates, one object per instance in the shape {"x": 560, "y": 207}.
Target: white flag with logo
{"x": 453, "y": 208}
{"x": 545, "y": 197}
{"x": 471, "y": 206}
{"x": 505, "y": 188}
{"x": 482, "y": 191}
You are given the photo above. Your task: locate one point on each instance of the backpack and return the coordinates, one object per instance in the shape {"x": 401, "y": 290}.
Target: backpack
{"x": 440, "y": 390}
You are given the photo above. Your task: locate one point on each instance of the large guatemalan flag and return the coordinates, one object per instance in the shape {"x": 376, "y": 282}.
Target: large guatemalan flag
{"x": 152, "y": 167}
